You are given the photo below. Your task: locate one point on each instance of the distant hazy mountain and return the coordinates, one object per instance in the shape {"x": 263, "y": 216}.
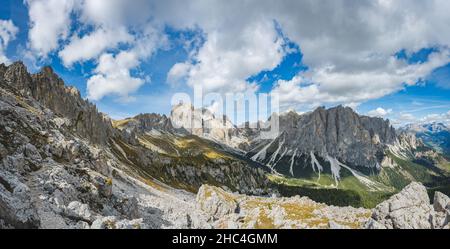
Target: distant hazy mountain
{"x": 435, "y": 135}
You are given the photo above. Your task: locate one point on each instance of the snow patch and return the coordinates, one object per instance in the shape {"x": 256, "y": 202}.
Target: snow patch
{"x": 335, "y": 170}
{"x": 315, "y": 163}
{"x": 261, "y": 155}
{"x": 291, "y": 170}
{"x": 271, "y": 163}
{"x": 335, "y": 166}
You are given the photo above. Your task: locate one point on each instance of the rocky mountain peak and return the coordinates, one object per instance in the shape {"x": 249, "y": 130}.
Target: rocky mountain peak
{"x": 435, "y": 127}
{"x": 338, "y": 135}
{"x": 204, "y": 123}
{"x": 2, "y": 68}
{"x": 49, "y": 89}
{"x": 49, "y": 77}
{"x": 48, "y": 70}
{"x": 145, "y": 123}
{"x": 17, "y": 75}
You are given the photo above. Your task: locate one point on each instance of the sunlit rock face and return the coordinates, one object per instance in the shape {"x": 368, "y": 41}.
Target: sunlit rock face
{"x": 411, "y": 209}
{"x": 203, "y": 123}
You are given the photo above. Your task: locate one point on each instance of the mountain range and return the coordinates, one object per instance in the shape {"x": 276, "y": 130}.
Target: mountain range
{"x": 436, "y": 135}
{"x": 65, "y": 164}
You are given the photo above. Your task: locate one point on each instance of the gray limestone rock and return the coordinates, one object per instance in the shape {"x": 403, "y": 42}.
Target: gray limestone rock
{"x": 79, "y": 211}
{"x": 216, "y": 201}
{"x": 440, "y": 201}
{"x": 408, "y": 209}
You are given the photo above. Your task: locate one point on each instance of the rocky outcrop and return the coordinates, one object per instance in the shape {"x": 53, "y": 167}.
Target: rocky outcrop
{"x": 78, "y": 210}
{"x": 54, "y": 175}
{"x": 203, "y": 123}
{"x": 16, "y": 208}
{"x": 440, "y": 202}
{"x": 338, "y": 133}
{"x": 231, "y": 210}
{"x": 145, "y": 122}
{"x": 216, "y": 201}
{"x": 411, "y": 209}
{"x": 47, "y": 88}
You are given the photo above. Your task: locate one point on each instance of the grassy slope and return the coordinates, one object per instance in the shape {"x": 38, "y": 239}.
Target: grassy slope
{"x": 191, "y": 150}
{"x": 350, "y": 191}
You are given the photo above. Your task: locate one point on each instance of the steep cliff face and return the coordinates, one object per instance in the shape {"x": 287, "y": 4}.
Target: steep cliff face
{"x": 335, "y": 135}
{"x": 47, "y": 88}
{"x": 145, "y": 122}
{"x": 337, "y": 148}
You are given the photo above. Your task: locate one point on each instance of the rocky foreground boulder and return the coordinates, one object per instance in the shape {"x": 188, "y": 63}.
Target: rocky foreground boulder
{"x": 232, "y": 210}
{"x": 411, "y": 209}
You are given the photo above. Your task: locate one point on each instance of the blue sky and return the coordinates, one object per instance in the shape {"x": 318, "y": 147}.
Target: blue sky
{"x": 397, "y": 73}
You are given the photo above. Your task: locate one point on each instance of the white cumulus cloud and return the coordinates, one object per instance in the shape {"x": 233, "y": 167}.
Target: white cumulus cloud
{"x": 326, "y": 85}
{"x": 379, "y": 112}
{"x": 92, "y": 45}
{"x": 8, "y": 33}
{"x": 49, "y": 23}
{"x": 228, "y": 58}
{"x": 113, "y": 76}
{"x": 177, "y": 73}
{"x": 113, "y": 72}
{"x": 349, "y": 49}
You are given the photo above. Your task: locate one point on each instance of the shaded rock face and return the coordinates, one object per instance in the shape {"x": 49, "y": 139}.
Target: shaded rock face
{"x": 16, "y": 208}
{"x": 411, "y": 209}
{"x": 440, "y": 202}
{"x": 16, "y": 75}
{"x": 145, "y": 122}
{"x": 148, "y": 122}
{"x": 338, "y": 133}
{"x": 47, "y": 88}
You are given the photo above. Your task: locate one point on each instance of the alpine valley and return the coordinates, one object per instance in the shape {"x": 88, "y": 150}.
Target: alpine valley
{"x": 63, "y": 164}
